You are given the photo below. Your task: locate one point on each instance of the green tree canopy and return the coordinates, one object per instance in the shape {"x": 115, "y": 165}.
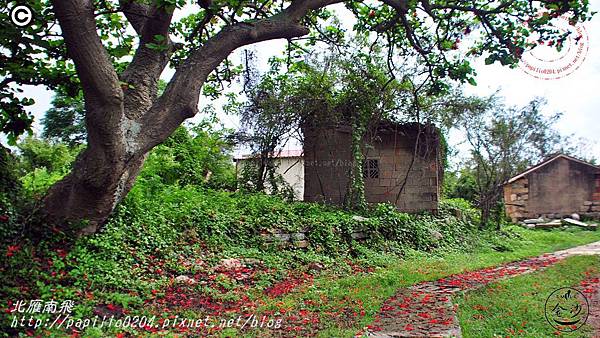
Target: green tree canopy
{"x": 115, "y": 51}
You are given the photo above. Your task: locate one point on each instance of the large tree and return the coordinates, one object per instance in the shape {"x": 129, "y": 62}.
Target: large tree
{"x": 503, "y": 142}
{"x": 125, "y": 117}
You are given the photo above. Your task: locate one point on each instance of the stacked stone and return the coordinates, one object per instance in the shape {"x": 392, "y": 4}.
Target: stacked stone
{"x": 518, "y": 195}
{"x": 591, "y": 209}
{"x": 299, "y": 239}
{"x": 596, "y": 195}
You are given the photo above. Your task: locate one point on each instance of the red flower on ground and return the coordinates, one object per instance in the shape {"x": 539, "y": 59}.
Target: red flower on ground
{"x": 11, "y": 249}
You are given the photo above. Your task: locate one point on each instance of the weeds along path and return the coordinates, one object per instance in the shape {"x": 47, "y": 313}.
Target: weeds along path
{"x": 426, "y": 309}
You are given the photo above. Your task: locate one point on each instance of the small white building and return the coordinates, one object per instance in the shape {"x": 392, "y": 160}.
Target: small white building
{"x": 289, "y": 164}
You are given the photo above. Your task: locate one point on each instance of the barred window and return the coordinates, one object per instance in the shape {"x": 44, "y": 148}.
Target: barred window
{"x": 371, "y": 168}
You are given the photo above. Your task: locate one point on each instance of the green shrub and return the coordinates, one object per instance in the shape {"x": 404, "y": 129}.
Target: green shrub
{"x": 10, "y": 189}
{"x": 155, "y": 216}
{"x": 460, "y": 208}
{"x": 35, "y": 153}
{"x": 199, "y": 156}
{"x": 38, "y": 181}
{"x": 460, "y": 184}
{"x": 42, "y": 163}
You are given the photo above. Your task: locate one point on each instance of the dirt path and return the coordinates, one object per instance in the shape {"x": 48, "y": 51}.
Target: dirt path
{"x": 426, "y": 309}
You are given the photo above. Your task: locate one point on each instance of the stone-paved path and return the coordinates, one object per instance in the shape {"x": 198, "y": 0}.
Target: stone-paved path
{"x": 426, "y": 309}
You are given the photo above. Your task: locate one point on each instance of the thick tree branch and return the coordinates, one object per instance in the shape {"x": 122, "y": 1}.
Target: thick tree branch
{"x": 180, "y": 99}
{"x": 143, "y": 72}
{"x": 401, "y": 6}
{"x": 98, "y": 77}
{"x": 136, "y": 13}
{"x": 477, "y": 11}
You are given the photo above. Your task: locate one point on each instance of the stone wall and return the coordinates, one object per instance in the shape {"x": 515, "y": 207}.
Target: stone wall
{"x": 516, "y": 195}
{"x": 558, "y": 189}
{"x": 299, "y": 239}
{"x": 328, "y": 161}
{"x": 592, "y": 208}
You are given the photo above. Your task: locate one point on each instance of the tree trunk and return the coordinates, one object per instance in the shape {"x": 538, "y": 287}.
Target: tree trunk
{"x": 124, "y": 117}
{"x": 92, "y": 190}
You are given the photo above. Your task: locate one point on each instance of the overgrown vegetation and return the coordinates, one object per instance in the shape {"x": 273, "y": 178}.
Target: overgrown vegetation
{"x": 343, "y": 87}
{"x": 515, "y": 307}
{"x": 182, "y": 241}
{"x": 175, "y": 223}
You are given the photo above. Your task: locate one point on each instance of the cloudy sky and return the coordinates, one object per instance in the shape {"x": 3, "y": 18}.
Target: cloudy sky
{"x": 576, "y": 95}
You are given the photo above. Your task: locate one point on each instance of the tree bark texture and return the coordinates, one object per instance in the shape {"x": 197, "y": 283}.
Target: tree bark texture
{"x": 124, "y": 117}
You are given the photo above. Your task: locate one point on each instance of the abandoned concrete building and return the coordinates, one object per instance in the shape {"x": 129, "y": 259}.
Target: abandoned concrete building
{"x": 557, "y": 187}
{"x": 402, "y": 165}
{"x": 398, "y": 169}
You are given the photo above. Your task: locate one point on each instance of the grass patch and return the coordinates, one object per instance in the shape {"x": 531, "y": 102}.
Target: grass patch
{"x": 337, "y": 300}
{"x": 515, "y": 307}
{"x": 333, "y": 288}
{"x": 339, "y": 294}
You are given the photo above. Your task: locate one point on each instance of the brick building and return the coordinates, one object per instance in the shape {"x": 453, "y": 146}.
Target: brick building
{"x": 554, "y": 188}
{"x": 390, "y": 166}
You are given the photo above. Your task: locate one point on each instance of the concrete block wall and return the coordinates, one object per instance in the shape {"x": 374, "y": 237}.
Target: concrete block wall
{"x": 328, "y": 161}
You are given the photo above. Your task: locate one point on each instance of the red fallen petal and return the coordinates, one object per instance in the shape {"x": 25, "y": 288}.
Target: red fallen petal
{"x": 424, "y": 315}
{"x": 408, "y": 327}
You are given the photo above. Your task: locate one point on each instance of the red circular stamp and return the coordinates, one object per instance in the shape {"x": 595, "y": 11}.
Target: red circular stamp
{"x": 545, "y": 61}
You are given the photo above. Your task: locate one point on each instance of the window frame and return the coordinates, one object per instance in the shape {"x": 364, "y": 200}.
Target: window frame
{"x": 371, "y": 168}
